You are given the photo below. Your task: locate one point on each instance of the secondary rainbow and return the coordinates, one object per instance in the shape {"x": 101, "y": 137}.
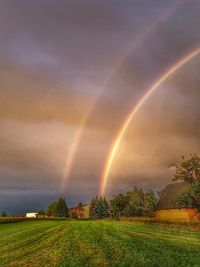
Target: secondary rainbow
{"x": 124, "y": 127}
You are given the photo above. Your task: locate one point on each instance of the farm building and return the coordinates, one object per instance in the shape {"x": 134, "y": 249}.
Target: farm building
{"x": 80, "y": 212}
{"x": 166, "y": 212}
{"x": 31, "y": 215}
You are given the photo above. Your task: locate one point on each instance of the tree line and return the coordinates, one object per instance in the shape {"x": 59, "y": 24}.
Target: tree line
{"x": 135, "y": 202}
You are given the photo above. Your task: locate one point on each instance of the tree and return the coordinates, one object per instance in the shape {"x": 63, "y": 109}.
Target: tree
{"x": 61, "y": 209}
{"x": 150, "y": 201}
{"x": 58, "y": 209}
{"x": 103, "y": 208}
{"x": 188, "y": 170}
{"x": 99, "y": 208}
{"x": 3, "y": 214}
{"x": 64, "y": 208}
{"x": 118, "y": 204}
{"x": 183, "y": 201}
{"x": 195, "y": 194}
{"x": 94, "y": 208}
{"x": 41, "y": 212}
{"x": 52, "y": 209}
{"x": 135, "y": 202}
{"x": 190, "y": 198}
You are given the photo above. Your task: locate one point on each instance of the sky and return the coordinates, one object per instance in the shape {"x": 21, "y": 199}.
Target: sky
{"x": 70, "y": 73}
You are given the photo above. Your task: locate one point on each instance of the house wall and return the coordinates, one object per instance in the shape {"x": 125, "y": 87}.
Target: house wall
{"x": 83, "y": 213}
{"x": 177, "y": 215}
{"x": 194, "y": 215}
{"x": 173, "y": 215}
{"x": 86, "y": 212}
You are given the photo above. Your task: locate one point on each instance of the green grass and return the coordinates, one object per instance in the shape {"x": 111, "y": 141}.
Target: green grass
{"x": 97, "y": 243}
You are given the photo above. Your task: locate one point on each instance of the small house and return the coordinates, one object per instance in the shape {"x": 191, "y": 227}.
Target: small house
{"x": 80, "y": 212}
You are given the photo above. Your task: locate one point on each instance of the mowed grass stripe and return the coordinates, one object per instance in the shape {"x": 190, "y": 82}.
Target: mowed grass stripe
{"x": 97, "y": 243}
{"x": 86, "y": 246}
{"x": 133, "y": 247}
{"x": 34, "y": 245}
{"x": 157, "y": 247}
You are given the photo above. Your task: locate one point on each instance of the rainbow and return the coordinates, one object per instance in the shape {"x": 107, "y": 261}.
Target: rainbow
{"x": 70, "y": 158}
{"x": 78, "y": 135}
{"x": 131, "y": 115}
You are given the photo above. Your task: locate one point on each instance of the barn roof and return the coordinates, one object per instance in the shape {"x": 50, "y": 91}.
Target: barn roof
{"x": 169, "y": 195}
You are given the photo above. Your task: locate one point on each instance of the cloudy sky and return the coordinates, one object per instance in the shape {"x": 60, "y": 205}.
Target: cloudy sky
{"x": 70, "y": 73}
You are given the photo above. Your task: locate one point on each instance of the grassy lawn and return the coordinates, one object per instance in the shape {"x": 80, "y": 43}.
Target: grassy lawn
{"x": 100, "y": 243}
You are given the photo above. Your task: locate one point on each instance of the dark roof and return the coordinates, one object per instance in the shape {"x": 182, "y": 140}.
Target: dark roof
{"x": 169, "y": 195}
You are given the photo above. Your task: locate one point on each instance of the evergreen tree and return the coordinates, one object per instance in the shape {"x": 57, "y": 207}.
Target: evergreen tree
{"x": 99, "y": 208}
{"x": 61, "y": 209}
{"x": 103, "y": 208}
{"x": 58, "y": 209}
{"x": 3, "y": 214}
{"x": 93, "y": 208}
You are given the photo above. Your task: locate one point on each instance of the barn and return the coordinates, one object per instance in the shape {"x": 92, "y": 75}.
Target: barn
{"x": 165, "y": 211}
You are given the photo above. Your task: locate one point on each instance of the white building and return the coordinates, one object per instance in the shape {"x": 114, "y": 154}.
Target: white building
{"x": 31, "y": 215}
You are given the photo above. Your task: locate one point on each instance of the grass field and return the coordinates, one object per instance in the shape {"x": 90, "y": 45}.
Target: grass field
{"x": 100, "y": 243}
